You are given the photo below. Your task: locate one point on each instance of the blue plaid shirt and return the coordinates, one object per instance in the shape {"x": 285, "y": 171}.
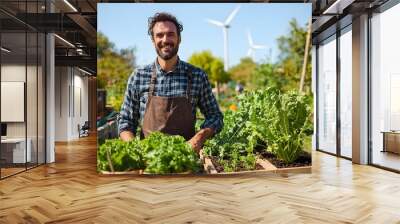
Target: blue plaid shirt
{"x": 170, "y": 84}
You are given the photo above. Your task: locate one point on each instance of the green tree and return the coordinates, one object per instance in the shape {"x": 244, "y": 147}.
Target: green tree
{"x": 242, "y": 72}
{"x": 291, "y": 56}
{"x": 267, "y": 75}
{"x": 103, "y": 45}
{"x": 114, "y": 68}
{"x": 213, "y": 66}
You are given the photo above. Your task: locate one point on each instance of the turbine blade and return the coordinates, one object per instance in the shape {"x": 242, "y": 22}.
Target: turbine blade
{"x": 259, "y": 46}
{"x": 233, "y": 13}
{"x": 215, "y": 22}
{"x": 249, "y": 52}
{"x": 249, "y": 38}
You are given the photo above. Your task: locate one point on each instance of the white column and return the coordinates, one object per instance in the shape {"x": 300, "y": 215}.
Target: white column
{"x": 314, "y": 91}
{"x": 360, "y": 90}
{"x": 50, "y": 110}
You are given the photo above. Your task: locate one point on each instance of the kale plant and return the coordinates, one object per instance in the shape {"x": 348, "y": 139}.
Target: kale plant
{"x": 265, "y": 118}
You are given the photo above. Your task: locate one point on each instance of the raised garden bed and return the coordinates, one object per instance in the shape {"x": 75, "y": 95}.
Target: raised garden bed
{"x": 140, "y": 173}
{"x": 266, "y": 133}
{"x": 211, "y": 168}
{"x": 303, "y": 160}
{"x": 268, "y": 127}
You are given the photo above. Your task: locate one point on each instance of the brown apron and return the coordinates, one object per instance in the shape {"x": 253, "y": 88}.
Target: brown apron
{"x": 169, "y": 115}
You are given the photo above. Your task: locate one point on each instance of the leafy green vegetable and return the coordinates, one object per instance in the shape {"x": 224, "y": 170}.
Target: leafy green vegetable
{"x": 158, "y": 154}
{"x": 290, "y": 126}
{"x": 169, "y": 154}
{"x": 267, "y": 119}
{"x": 121, "y": 156}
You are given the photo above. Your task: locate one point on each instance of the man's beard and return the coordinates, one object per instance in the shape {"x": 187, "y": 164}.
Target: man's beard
{"x": 167, "y": 55}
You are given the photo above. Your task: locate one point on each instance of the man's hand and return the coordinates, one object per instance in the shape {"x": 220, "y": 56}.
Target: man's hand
{"x": 199, "y": 138}
{"x": 126, "y": 136}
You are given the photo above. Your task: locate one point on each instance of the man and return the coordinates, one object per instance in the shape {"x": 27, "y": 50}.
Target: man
{"x": 165, "y": 94}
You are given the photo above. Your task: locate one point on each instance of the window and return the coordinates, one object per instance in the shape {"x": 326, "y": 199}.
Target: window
{"x": 22, "y": 76}
{"x": 385, "y": 88}
{"x": 346, "y": 92}
{"x": 327, "y": 95}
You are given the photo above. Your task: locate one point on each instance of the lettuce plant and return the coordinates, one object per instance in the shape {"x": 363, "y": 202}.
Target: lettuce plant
{"x": 158, "y": 154}
{"x": 120, "y": 156}
{"x": 169, "y": 154}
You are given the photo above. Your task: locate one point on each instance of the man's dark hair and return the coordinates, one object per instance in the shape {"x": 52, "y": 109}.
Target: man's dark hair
{"x": 161, "y": 17}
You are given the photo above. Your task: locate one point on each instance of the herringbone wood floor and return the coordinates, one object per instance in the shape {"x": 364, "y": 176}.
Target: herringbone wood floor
{"x": 70, "y": 191}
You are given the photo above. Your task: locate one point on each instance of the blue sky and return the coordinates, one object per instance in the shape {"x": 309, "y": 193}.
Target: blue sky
{"x": 125, "y": 24}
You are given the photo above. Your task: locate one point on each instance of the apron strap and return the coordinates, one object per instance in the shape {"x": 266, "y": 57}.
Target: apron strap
{"x": 153, "y": 80}
{"x": 189, "y": 85}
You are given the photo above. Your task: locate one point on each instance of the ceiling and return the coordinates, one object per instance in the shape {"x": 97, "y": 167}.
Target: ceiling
{"x": 328, "y": 15}
{"x": 74, "y": 22}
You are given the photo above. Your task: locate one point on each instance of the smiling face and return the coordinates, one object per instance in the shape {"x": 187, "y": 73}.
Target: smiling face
{"x": 166, "y": 39}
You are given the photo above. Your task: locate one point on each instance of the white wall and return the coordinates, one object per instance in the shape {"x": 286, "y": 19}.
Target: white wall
{"x": 71, "y": 93}
{"x": 34, "y": 123}
{"x": 61, "y": 103}
{"x": 14, "y": 73}
{"x": 81, "y": 104}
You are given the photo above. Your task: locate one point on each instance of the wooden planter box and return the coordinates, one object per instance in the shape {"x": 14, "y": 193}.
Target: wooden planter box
{"x": 140, "y": 173}
{"x": 268, "y": 168}
{"x": 210, "y": 170}
{"x": 118, "y": 173}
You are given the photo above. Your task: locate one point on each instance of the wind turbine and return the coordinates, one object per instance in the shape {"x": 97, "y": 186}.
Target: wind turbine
{"x": 252, "y": 46}
{"x": 225, "y": 25}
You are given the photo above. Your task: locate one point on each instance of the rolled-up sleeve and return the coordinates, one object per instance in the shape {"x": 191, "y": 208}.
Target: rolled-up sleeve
{"x": 209, "y": 107}
{"x": 129, "y": 114}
